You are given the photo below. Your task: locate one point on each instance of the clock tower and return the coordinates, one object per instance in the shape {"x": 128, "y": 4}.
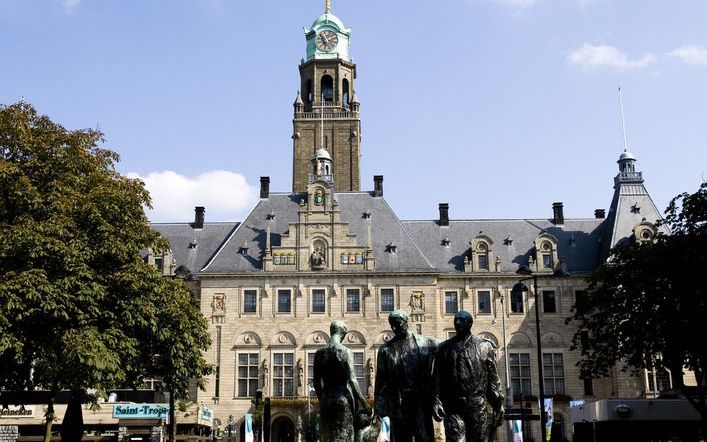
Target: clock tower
{"x": 326, "y": 111}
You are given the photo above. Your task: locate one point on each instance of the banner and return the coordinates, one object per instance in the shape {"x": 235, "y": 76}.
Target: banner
{"x": 548, "y": 413}
{"x": 384, "y": 435}
{"x": 14, "y": 411}
{"x": 517, "y": 431}
{"x": 140, "y": 411}
{"x": 248, "y": 427}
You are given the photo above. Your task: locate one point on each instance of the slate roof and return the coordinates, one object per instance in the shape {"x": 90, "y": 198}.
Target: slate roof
{"x": 579, "y": 241}
{"x": 418, "y": 244}
{"x": 194, "y": 247}
{"x": 386, "y": 229}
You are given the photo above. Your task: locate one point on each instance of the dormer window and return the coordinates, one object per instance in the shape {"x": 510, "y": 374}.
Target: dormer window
{"x": 481, "y": 254}
{"x": 545, "y": 253}
{"x": 446, "y": 242}
{"x": 391, "y": 248}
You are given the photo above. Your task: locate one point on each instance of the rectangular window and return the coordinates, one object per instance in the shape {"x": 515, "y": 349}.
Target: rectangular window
{"x": 483, "y": 262}
{"x": 283, "y": 374}
{"x": 451, "y": 303}
{"x": 580, "y": 299}
{"x": 520, "y": 373}
{"x": 159, "y": 264}
{"x": 549, "y": 301}
{"x": 284, "y": 301}
{"x": 451, "y": 334}
{"x": 387, "y": 300}
{"x": 250, "y": 301}
{"x": 318, "y": 301}
{"x": 660, "y": 377}
{"x": 516, "y": 302}
{"x": 547, "y": 261}
{"x": 588, "y": 386}
{"x": 310, "y": 369}
{"x": 247, "y": 374}
{"x": 484, "y": 302}
{"x": 554, "y": 373}
{"x": 359, "y": 369}
{"x": 353, "y": 300}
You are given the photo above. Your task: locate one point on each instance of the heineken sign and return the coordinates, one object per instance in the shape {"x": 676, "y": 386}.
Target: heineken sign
{"x": 17, "y": 411}
{"x": 140, "y": 411}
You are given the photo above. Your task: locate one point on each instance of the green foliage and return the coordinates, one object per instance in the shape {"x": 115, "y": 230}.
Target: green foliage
{"x": 648, "y": 300}
{"x": 78, "y": 305}
{"x": 647, "y": 305}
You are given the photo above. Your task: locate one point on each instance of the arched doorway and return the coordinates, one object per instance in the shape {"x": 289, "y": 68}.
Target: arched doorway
{"x": 283, "y": 430}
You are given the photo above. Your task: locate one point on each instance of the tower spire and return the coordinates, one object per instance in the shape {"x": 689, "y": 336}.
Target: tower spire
{"x": 327, "y": 6}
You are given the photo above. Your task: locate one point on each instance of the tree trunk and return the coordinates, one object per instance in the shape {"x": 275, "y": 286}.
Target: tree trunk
{"x": 49, "y": 417}
{"x": 172, "y": 420}
{"x": 72, "y": 424}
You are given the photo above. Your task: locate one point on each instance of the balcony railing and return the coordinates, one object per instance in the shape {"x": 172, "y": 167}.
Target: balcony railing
{"x": 327, "y": 178}
{"x": 328, "y": 115}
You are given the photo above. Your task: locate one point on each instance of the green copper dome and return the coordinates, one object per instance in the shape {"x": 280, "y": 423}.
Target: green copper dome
{"x": 334, "y": 31}
{"x": 328, "y": 19}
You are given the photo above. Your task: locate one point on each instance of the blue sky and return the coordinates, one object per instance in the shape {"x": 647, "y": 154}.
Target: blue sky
{"x": 499, "y": 107}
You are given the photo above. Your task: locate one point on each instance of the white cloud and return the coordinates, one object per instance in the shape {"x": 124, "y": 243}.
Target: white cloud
{"x": 68, "y": 5}
{"x": 226, "y": 195}
{"x": 591, "y": 56}
{"x": 694, "y": 55}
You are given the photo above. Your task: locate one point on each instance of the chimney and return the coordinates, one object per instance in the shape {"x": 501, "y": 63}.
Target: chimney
{"x": 600, "y": 214}
{"x": 199, "y": 217}
{"x": 443, "y": 214}
{"x": 558, "y": 213}
{"x": 378, "y": 185}
{"x": 264, "y": 187}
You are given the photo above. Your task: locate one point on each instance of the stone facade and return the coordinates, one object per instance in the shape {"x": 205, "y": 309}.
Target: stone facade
{"x": 271, "y": 285}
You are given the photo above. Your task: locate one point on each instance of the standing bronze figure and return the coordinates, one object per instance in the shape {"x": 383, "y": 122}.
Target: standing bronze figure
{"x": 336, "y": 387}
{"x": 403, "y": 382}
{"x": 465, "y": 381}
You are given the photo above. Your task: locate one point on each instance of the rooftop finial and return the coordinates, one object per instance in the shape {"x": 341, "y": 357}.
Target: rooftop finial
{"x": 623, "y": 124}
{"x": 327, "y": 7}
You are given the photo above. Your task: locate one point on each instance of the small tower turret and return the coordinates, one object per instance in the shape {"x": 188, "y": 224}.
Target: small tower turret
{"x": 298, "y": 104}
{"x": 322, "y": 168}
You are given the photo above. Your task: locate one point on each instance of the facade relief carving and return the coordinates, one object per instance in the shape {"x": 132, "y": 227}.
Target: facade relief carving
{"x": 417, "y": 302}
{"x": 218, "y": 304}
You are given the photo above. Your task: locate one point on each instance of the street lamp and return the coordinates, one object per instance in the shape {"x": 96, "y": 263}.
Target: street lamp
{"x": 509, "y": 390}
{"x": 520, "y": 288}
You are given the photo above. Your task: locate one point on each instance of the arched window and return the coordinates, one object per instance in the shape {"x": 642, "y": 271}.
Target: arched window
{"x": 516, "y": 302}
{"x": 310, "y": 92}
{"x": 328, "y": 88}
{"x": 558, "y": 428}
{"x": 345, "y": 95}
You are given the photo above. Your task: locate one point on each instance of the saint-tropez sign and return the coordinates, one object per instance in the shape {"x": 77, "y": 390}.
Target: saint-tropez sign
{"x": 17, "y": 411}
{"x": 140, "y": 411}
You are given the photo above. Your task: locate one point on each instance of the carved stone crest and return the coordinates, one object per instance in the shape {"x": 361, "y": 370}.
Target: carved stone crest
{"x": 417, "y": 302}
{"x": 218, "y": 304}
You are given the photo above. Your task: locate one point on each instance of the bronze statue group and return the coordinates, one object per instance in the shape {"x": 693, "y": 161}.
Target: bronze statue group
{"x": 417, "y": 379}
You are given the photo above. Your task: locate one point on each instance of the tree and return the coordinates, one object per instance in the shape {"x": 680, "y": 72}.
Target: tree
{"x": 645, "y": 307}
{"x": 78, "y": 305}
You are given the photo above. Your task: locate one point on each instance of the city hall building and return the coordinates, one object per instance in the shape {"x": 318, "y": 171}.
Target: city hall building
{"x": 327, "y": 249}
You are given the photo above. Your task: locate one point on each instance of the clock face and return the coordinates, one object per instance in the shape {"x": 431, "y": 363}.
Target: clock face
{"x": 326, "y": 40}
